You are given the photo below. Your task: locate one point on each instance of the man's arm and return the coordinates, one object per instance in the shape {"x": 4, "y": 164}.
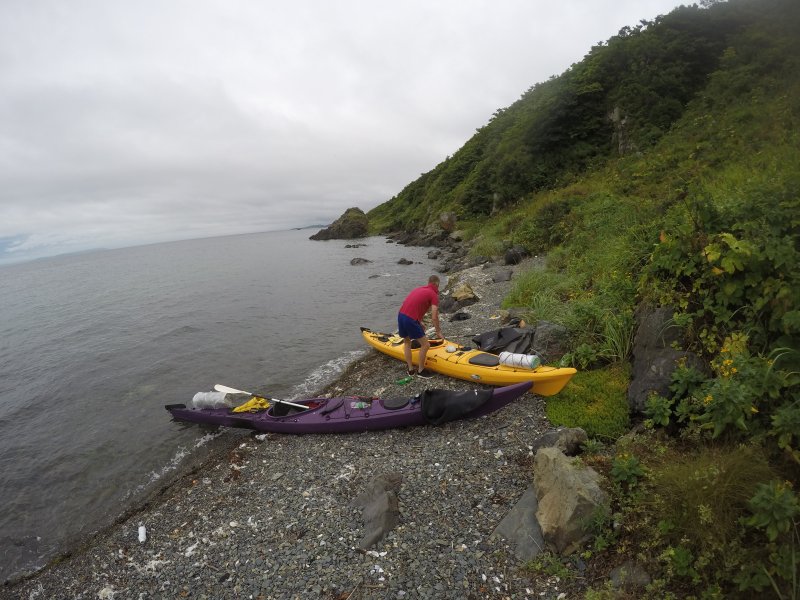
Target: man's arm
{"x": 435, "y": 319}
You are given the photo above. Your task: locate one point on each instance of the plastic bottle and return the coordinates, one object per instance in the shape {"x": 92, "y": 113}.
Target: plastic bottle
{"x": 521, "y": 361}
{"x": 142, "y": 533}
{"x": 404, "y": 380}
{"x": 359, "y": 404}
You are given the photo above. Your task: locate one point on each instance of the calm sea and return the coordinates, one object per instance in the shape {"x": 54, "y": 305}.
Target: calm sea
{"x": 93, "y": 346}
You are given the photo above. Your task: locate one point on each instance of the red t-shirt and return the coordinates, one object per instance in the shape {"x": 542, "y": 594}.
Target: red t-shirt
{"x": 419, "y": 301}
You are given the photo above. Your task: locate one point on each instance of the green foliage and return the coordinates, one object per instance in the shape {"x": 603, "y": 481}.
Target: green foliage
{"x": 623, "y": 97}
{"x": 617, "y": 336}
{"x": 626, "y": 469}
{"x": 748, "y": 396}
{"x": 592, "y": 446}
{"x": 658, "y": 410}
{"x": 664, "y": 168}
{"x": 551, "y": 565}
{"x": 703, "y": 495}
{"x": 584, "y": 356}
{"x": 688, "y": 514}
{"x": 487, "y": 246}
{"x": 733, "y": 262}
{"x": 596, "y": 401}
{"x": 776, "y": 509}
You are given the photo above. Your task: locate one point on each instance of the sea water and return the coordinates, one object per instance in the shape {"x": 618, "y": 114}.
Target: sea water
{"x": 92, "y": 347}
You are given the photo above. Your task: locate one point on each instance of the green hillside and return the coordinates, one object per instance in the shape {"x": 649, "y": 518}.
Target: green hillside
{"x": 663, "y": 169}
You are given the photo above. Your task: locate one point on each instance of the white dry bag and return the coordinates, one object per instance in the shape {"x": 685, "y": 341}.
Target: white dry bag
{"x": 520, "y": 361}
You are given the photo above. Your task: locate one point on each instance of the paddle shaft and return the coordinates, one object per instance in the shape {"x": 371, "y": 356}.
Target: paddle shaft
{"x": 230, "y": 390}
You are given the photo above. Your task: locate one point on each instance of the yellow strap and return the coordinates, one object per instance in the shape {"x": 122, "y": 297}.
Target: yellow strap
{"x": 255, "y": 404}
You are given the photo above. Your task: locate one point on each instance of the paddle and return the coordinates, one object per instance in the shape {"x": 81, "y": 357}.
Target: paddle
{"x": 230, "y": 390}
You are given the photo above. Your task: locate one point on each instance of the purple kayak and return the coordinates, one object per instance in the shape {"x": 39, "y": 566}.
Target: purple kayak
{"x": 357, "y": 413}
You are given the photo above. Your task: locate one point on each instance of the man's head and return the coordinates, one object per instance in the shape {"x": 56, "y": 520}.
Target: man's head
{"x": 434, "y": 280}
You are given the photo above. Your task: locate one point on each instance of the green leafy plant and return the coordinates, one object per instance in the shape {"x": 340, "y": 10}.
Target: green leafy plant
{"x": 775, "y": 509}
{"x": 592, "y": 446}
{"x": 626, "y": 469}
{"x": 548, "y": 563}
{"x": 658, "y": 409}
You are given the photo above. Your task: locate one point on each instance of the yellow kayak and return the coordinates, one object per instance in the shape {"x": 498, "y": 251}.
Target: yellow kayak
{"x": 472, "y": 365}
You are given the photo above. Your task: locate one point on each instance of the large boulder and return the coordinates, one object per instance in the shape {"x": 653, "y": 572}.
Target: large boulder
{"x": 569, "y": 494}
{"x": 654, "y": 356}
{"x": 550, "y": 340}
{"x": 521, "y": 529}
{"x": 460, "y": 296}
{"x": 380, "y": 508}
{"x": 352, "y": 224}
{"x": 464, "y": 292}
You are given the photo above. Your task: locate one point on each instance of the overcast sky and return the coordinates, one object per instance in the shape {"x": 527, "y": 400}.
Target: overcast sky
{"x": 130, "y": 122}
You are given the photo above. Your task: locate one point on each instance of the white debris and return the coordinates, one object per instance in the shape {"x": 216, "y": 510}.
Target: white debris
{"x": 107, "y": 593}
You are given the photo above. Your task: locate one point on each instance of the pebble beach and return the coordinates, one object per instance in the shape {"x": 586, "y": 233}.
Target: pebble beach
{"x": 273, "y": 516}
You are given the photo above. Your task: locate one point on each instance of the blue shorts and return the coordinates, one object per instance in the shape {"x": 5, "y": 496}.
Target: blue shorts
{"x": 409, "y": 328}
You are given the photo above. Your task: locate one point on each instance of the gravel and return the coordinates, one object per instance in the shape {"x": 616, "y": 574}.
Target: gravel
{"x": 272, "y": 516}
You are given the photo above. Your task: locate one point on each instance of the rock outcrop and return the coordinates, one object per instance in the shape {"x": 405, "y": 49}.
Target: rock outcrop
{"x": 568, "y": 496}
{"x": 352, "y": 224}
{"x": 654, "y": 356}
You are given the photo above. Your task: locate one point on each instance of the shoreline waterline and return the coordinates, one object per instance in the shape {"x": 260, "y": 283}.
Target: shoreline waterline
{"x": 99, "y": 343}
{"x": 257, "y": 507}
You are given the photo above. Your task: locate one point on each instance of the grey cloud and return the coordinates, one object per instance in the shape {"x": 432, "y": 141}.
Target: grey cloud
{"x": 125, "y": 123}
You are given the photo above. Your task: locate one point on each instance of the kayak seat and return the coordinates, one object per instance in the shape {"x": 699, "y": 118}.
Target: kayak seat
{"x": 434, "y": 343}
{"x": 485, "y": 360}
{"x": 394, "y": 403}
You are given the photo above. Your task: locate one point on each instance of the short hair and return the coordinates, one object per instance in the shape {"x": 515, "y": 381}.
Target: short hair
{"x": 434, "y": 279}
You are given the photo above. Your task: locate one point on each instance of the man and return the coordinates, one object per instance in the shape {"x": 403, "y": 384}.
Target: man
{"x": 409, "y": 323}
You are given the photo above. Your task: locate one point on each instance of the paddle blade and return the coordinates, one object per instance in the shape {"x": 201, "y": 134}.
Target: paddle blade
{"x": 229, "y": 390}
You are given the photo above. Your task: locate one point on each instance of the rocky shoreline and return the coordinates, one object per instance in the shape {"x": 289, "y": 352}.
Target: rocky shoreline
{"x": 276, "y": 516}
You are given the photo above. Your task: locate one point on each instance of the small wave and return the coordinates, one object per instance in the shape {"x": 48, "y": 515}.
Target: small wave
{"x": 183, "y": 330}
{"x": 175, "y": 462}
{"x": 326, "y": 373}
